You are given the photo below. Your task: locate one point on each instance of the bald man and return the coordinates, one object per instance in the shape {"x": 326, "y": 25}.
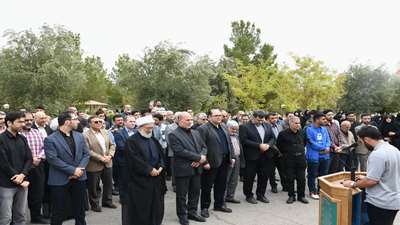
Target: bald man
{"x": 40, "y": 123}
{"x": 190, "y": 154}
{"x": 345, "y": 153}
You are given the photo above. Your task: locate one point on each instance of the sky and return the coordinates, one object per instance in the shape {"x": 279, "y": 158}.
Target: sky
{"x": 338, "y": 32}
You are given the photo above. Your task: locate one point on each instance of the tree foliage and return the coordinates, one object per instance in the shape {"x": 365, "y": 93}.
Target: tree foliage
{"x": 168, "y": 73}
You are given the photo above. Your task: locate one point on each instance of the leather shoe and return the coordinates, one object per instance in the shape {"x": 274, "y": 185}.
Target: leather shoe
{"x": 263, "y": 199}
{"x": 204, "y": 213}
{"x": 303, "y": 200}
{"x": 183, "y": 222}
{"x": 196, "y": 217}
{"x": 40, "y": 220}
{"x": 96, "y": 209}
{"x": 111, "y": 206}
{"x": 115, "y": 192}
{"x": 251, "y": 200}
{"x": 232, "y": 200}
{"x": 223, "y": 209}
{"x": 274, "y": 190}
{"x": 290, "y": 200}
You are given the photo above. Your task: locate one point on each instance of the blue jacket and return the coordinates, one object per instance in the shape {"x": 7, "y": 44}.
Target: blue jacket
{"x": 317, "y": 140}
{"x": 59, "y": 156}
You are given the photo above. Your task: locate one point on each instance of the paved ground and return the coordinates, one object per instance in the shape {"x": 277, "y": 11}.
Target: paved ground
{"x": 275, "y": 213}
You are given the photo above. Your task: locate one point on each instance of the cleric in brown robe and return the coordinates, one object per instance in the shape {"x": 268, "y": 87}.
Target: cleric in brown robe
{"x": 145, "y": 176}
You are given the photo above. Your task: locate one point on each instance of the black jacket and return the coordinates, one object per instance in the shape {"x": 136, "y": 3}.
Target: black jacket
{"x": 251, "y": 140}
{"x": 215, "y": 152}
{"x": 186, "y": 151}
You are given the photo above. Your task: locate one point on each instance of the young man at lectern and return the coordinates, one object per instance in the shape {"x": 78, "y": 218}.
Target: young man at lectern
{"x": 382, "y": 182}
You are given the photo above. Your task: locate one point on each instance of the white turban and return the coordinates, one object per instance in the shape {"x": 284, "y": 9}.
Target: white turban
{"x": 144, "y": 120}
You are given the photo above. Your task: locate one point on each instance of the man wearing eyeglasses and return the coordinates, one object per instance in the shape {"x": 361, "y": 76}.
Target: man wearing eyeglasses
{"x": 101, "y": 151}
{"x": 68, "y": 156}
{"x": 36, "y": 175}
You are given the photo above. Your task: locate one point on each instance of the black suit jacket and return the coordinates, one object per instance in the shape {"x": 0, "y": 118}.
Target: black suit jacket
{"x": 215, "y": 153}
{"x": 46, "y": 128}
{"x": 251, "y": 141}
{"x": 186, "y": 151}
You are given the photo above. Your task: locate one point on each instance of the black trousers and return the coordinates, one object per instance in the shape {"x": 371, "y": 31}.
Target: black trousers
{"x": 379, "y": 216}
{"x": 37, "y": 179}
{"x": 263, "y": 169}
{"x": 74, "y": 190}
{"x": 116, "y": 173}
{"x": 187, "y": 195}
{"x": 94, "y": 188}
{"x": 296, "y": 170}
{"x": 215, "y": 177}
{"x": 279, "y": 164}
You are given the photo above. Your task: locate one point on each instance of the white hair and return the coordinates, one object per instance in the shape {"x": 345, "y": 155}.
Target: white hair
{"x": 232, "y": 123}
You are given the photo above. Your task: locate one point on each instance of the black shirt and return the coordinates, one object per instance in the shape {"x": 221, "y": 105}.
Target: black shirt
{"x": 70, "y": 142}
{"x": 15, "y": 157}
{"x": 290, "y": 143}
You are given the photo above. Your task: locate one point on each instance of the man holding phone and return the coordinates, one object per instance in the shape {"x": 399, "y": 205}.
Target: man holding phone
{"x": 68, "y": 156}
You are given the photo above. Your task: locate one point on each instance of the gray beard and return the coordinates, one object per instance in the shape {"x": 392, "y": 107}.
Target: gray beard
{"x": 144, "y": 134}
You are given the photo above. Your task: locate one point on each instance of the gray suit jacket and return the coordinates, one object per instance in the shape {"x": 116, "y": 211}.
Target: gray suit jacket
{"x": 214, "y": 144}
{"x": 60, "y": 158}
{"x": 186, "y": 151}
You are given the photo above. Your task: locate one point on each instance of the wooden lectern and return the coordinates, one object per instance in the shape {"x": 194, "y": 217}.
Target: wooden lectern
{"x": 339, "y": 205}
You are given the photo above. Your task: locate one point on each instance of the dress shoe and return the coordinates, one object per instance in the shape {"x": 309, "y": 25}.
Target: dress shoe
{"x": 303, "y": 200}
{"x": 290, "y": 200}
{"x": 183, "y": 221}
{"x": 115, "y": 192}
{"x": 274, "y": 190}
{"x": 96, "y": 209}
{"x": 40, "y": 220}
{"x": 111, "y": 206}
{"x": 232, "y": 200}
{"x": 196, "y": 217}
{"x": 223, "y": 209}
{"x": 251, "y": 200}
{"x": 204, "y": 213}
{"x": 263, "y": 199}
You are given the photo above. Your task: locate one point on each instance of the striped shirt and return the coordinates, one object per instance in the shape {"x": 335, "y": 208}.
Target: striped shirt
{"x": 35, "y": 142}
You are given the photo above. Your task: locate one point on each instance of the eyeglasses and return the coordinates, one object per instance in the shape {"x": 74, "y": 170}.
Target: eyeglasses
{"x": 27, "y": 120}
{"x": 98, "y": 122}
{"x": 216, "y": 115}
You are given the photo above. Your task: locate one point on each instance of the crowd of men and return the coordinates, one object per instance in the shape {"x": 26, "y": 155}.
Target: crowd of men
{"x": 59, "y": 167}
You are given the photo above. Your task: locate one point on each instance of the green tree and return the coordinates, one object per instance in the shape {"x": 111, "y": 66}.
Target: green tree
{"x": 168, "y": 73}
{"x": 96, "y": 82}
{"x": 365, "y": 89}
{"x": 41, "y": 69}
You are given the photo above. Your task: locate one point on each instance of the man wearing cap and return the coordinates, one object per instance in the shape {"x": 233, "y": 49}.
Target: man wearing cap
{"x": 145, "y": 177}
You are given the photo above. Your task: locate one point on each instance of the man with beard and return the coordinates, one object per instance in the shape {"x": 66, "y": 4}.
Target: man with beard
{"x": 15, "y": 163}
{"x": 68, "y": 156}
{"x": 332, "y": 126}
{"x": 361, "y": 150}
{"x": 189, "y": 154}
{"x": 146, "y": 182}
{"x": 318, "y": 148}
{"x": 382, "y": 182}
{"x": 36, "y": 175}
{"x": 257, "y": 139}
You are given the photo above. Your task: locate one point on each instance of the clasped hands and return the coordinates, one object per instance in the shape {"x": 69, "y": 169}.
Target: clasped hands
{"x": 202, "y": 160}
{"x": 19, "y": 180}
{"x": 156, "y": 172}
{"x": 77, "y": 173}
{"x": 264, "y": 147}
{"x": 106, "y": 159}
